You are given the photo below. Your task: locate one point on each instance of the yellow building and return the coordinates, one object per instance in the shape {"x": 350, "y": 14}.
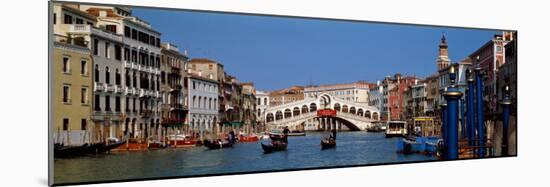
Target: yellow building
{"x": 71, "y": 93}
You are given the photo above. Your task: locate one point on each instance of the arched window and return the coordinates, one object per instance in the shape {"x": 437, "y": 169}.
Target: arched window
{"x": 194, "y": 102}
{"x": 199, "y": 104}
{"x": 265, "y": 101}
{"x": 127, "y": 78}
{"x": 210, "y": 104}
{"x": 117, "y": 77}
{"x": 107, "y": 77}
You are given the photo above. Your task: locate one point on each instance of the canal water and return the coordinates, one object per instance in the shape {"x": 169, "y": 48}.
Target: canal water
{"x": 353, "y": 148}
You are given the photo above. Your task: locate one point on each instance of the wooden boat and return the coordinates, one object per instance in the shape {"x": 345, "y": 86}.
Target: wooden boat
{"x": 274, "y": 146}
{"x": 217, "y": 145}
{"x": 61, "y": 151}
{"x": 296, "y": 133}
{"x": 156, "y": 145}
{"x": 396, "y": 129}
{"x": 179, "y": 141}
{"x": 105, "y": 148}
{"x": 327, "y": 144}
{"x": 248, "y": 138}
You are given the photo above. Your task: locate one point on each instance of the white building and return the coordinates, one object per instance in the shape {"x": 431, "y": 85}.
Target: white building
{"x": 376, "y": 96}
{"x": 203, "y": 104}
{"x": 357, "y": 92}
{"x": 139, "y": 68}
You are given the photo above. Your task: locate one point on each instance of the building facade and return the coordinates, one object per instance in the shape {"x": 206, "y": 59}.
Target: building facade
{"x": 140, "y": 69}
{"x": 357, "y": 91}
{"x": 72, "y": 93}
{"x": 203, "y": 105}
{"x": 173, "y": 89}
{"x": 287, "y": 95}
{"x": 249, "y": 107}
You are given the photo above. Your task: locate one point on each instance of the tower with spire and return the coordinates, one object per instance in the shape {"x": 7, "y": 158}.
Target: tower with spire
{"x": 443, "y": 60}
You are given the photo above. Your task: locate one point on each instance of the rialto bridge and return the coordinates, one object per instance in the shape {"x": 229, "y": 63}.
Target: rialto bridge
{"x": 322, "y": 113}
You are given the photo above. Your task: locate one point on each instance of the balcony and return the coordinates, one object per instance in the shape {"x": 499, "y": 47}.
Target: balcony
{"x": 141, "y": 93}
{"x": 98, "y": 87}
{"x": 130, "y": 65}
{"x": 135, "y": 91}
{"x": 157, "y": 94}
{"x": 118, "y": 89}
{"x": 146, "y": 113}
{"x": 88, "y": 29}
{"x": 109, "y": 88}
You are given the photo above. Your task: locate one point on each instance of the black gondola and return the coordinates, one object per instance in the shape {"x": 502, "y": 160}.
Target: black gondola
{"x": 274, "y": 146}
{"x": 61, "y": 151}
{"x": 216, "y": 145}
{"x": 327, "y": 144}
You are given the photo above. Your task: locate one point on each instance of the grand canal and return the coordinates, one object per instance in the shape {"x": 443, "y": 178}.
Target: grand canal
{"x": 354, "y": 148}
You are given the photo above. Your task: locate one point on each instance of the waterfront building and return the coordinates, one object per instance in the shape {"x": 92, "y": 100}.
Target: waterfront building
{"x": 139, "y": 59}
{"x": 203, "y": 104}
{"x": 249, "y": 107}
{"x": 489, "y": 58}
{"x": 356, "y": 92}
{"x": 395, "y": 96}
{"x": 261, "y": 106}
{"x": 287, "y": 95}
{"x": 432, "y": 94}
{"x": 376, "y": 96}
{"x": 215, "y": 71}
{"x": 173, "y": 90}
{"x": 72, "y": 93}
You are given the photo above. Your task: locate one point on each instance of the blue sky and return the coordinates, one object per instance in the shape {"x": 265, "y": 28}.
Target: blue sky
{"x": 278, "y": 52}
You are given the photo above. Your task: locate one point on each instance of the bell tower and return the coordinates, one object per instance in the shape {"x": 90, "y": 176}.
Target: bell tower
{"x": 443, "y": 60}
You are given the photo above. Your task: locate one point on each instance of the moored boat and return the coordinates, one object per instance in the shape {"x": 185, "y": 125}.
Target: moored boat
{"x": 274, "y": 146}
{"x": 105, "y": 148}
{"x": 217, "y": 144}
{"x": 248, "y": 138}
{"x": 61, "y": 151}
{"x": 180, "y": 140}
{"x": 296, "y": 133}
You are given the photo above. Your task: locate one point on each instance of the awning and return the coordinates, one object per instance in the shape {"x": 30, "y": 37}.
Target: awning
{"x": 233, "y": 123}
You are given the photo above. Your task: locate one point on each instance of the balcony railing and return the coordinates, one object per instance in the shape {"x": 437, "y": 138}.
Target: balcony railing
{"x": 141, "y": 92}
{"x": 118, "y": 89}
{"x": 98, "y": 87}
{"x": 109, "y": 88}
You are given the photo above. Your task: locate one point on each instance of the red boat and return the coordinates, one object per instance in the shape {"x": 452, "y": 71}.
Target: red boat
{"x": 179, "y": 141}
{"x": 249, "y": 138}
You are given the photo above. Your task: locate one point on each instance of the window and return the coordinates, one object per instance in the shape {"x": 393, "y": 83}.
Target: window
{"x": 66, "y": 65}
{"x": 65, "y": 124}
{"x": 127, "y": 104}
{"x": 107, "y": 55}
{"x": 54, "y": 18}
{"x": 134, "y": 56}
{"x": 117, "y": 104}
{"x": 194, "y": 87}
{"x": 79, "y": 21}
{"x": 96, "y": 103}
{"x": 126, "y": 54}
{"x": 96, "y": 73}
{"x": 210, "y": 66}
{"x": 127, "y": 31}
{"x": 111, "y": 28}
{"x": 107, "y": 77}
{"x": 118, "y": 52}
{"x": 107, "y": 103}
{"x": 66, "y": 92}
{"x": 68, "y": 19}
{"x": 84, "y": 95}
{"x": 499, "y": 48}
{"x": 96, "y": 46}
{"x": 83, "y": 67}
{"x": 83, "y": 124}
{"x": 134, "y": 34}
{"x": 117, "y": 77}
{"x": 127, "y": 79}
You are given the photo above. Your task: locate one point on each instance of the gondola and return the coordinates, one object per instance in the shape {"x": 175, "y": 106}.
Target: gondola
{"x": 215, "y": 145}
{"x": 274, "y": 146}
{"x": 61, "y": 151}
{"x": 94, "y": 148}
{"x": 327, "y": 144}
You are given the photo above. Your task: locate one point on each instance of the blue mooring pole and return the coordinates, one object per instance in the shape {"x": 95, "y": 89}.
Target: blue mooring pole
{"x": 470, "y": 112}
{"x": 443, "y": 128}
{"x": 506, "y": 103}
{"x": 452, "y": 96}
{"x": 462, "y": 118}
{"x": 479, "y": 112}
